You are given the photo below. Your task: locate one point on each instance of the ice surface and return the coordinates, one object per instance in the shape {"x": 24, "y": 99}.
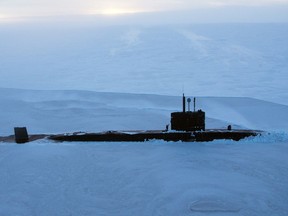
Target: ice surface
{"x": 152, "y": 178}
{"x": 239, "y": 60}
{"x": 71, "y": 111}
{"x": 212, "y": 206}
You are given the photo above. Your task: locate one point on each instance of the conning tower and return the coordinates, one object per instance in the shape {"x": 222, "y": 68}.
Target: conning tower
{"x": 188, "y": 120}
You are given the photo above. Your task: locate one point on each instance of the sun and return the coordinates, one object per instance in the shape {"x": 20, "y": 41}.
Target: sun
{"x": 5, "y": 18}
{"x": 2, "y": 16}
{"x": 115, "y": 11}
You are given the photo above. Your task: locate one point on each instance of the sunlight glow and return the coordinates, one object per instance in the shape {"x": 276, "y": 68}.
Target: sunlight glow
{"x": 116, "y": 11}
{"x": 2, "y": 16}
{"x": 5, "y": 18}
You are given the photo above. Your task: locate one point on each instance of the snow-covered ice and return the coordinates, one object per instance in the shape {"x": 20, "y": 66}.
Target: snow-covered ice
{"x": 71, "y": 111}
{"x": 152, "y": 178}
{"x": 232, "y": 60}
{"x": 237, "y": 71}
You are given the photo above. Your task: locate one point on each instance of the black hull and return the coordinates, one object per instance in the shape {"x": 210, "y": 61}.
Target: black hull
{"x": 196, "y": 136}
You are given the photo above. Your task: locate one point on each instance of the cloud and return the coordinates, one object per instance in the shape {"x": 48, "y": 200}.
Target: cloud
{"x": 24, "y": 8}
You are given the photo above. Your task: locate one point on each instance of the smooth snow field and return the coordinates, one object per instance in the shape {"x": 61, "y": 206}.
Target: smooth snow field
{"x": 231, "y": 60}
{"x": 152, "y": 178}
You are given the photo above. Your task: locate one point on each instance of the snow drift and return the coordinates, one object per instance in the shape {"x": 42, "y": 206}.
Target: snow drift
{"x": 70, "y": 111}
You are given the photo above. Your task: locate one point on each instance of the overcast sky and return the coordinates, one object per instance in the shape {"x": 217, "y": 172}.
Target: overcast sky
{"x": 32, "y": 8}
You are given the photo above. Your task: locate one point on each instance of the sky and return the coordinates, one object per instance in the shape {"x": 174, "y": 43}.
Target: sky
{"x": 11, "y": 9}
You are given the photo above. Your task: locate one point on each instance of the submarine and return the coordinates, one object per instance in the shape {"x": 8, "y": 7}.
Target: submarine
{"x": 186, "y": 126}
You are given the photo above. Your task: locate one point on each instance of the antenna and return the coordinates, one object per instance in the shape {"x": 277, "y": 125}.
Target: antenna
{"x": 184, "y": 104}
{"x": 189, "y": 101}
{"x": 194, "y": 104}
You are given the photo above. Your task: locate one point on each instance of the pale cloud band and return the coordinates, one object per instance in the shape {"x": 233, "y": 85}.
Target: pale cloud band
{"x": 21, "y": 8}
